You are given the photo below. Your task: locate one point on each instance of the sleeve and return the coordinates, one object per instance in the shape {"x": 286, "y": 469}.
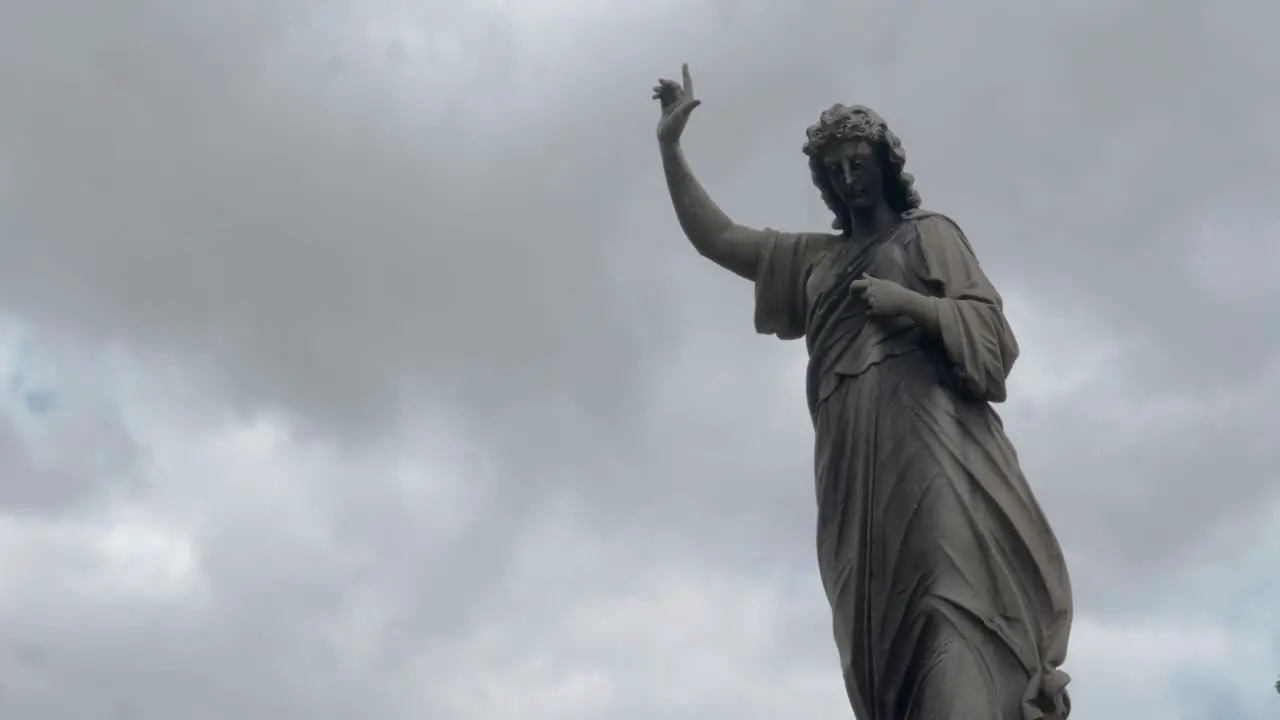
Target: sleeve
{"x": 785, "y": 262}
{"x": 975, "y": 334}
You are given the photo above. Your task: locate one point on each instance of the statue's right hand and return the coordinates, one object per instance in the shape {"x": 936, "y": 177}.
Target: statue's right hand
{"x": 677, "y": 102}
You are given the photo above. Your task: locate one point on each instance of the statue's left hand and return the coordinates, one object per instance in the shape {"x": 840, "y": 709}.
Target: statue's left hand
{"x": 885, "y": 298}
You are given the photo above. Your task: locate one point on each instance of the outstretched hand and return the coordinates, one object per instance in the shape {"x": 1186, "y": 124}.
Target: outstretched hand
{"x": 677, "y": 102}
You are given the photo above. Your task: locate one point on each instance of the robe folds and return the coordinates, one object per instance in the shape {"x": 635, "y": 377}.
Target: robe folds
{"x": 949, "y": 595}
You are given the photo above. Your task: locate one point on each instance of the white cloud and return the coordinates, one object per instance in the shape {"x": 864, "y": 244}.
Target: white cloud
{"x": 1131, "y": 668}
{"x": 582, "y": 625}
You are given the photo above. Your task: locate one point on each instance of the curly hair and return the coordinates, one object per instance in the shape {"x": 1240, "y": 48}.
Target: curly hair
{"x": 857, "y": 122}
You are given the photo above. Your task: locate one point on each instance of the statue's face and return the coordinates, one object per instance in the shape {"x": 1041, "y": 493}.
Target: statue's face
{"x": 854, "y": 170}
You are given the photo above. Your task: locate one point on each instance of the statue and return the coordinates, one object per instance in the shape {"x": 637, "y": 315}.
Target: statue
{"x": 949, "y": 595}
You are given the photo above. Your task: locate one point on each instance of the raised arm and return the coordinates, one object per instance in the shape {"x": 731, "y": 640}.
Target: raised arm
{"x": 731, "y": 246}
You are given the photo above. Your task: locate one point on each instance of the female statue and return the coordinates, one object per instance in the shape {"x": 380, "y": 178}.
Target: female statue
{"x": 949, "y": 595}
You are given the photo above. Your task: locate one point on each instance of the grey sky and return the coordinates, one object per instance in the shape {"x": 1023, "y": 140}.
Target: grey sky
{"x": 386, "y": 385}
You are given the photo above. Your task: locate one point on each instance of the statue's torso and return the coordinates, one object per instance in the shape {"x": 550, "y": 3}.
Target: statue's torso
{"x": 843, "y": 341}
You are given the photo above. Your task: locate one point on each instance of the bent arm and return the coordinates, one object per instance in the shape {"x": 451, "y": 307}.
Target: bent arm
{"x": 715, "y": 237}
{"x": 967, "y": 313}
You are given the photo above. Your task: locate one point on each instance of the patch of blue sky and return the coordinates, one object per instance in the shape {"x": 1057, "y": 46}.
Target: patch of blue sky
{"x": 28, "y": 392}
{"x": 39, "y": 402}
{"x": 35, "y": 399}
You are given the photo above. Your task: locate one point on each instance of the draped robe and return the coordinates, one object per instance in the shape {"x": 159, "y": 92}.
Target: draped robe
{"x": 949, "y": 595}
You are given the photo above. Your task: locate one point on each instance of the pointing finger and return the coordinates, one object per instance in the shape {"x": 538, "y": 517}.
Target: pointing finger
{"x": 688, "y": 79}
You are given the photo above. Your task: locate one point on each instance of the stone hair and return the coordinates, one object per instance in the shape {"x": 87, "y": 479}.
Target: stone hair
{"x": 856, "y": 122}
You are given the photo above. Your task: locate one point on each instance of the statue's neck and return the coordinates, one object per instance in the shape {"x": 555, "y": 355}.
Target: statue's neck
{"x": 869, "y": 221}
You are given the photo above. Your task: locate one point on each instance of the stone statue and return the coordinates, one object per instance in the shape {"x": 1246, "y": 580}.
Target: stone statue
{"x": 949, "y": 595}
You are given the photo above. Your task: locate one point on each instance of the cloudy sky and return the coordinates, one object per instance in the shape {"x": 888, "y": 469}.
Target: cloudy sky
{"x": 352, "y": 363}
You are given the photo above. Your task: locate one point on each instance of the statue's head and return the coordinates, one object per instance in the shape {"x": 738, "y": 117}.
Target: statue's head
{"x": 856, "y": 160}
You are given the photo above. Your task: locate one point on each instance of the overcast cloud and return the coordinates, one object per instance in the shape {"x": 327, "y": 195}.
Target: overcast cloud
{"x": 354, "y": 366}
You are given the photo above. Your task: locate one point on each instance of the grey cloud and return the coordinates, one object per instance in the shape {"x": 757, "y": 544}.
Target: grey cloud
{"x": 321, "y": 248}
{"x": 356, "y": 232}
{"x": 27, "y": 487}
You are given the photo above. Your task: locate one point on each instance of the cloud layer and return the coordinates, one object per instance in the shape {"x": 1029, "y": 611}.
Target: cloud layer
{"x": 354, "y": 364}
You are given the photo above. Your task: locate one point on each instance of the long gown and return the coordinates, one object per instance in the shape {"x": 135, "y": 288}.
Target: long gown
{"x": 948, "y": 590}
